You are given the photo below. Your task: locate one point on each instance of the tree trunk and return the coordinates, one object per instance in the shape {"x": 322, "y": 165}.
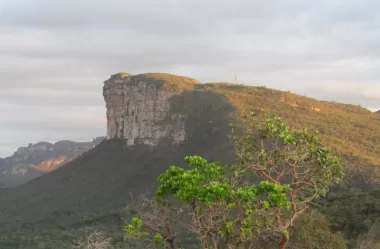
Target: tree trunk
{"x": 284, "y": 242}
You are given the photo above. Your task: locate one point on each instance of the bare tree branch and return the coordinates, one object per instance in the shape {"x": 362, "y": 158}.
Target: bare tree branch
{"x": 94, "y": 240}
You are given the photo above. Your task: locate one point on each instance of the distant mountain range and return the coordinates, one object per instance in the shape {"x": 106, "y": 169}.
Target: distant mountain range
{"x": 37, "y": 159}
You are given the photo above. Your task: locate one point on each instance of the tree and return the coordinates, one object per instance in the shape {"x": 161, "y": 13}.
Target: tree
{"x": 220, "y": 212}
{"x": 271, "y": 151}
{"x": 161, "y": 219}
{"x": 221, "y": 206}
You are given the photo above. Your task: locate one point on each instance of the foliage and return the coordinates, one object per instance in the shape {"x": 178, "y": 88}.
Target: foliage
{"x": 273, "y": 152}
{"x": 312, "y": 231}
{"x": 370, "y": 240}
{"x": 227, "y": 210}
{"x": 223, "y": 212}
{"x": 64, "y": 231}
{"x": 209, "y": 183}
{"x": 351, "y": 211}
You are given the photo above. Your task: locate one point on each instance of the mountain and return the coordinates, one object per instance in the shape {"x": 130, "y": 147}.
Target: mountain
{"x": 37, "y": 159}
{"x": 154, "y": 120}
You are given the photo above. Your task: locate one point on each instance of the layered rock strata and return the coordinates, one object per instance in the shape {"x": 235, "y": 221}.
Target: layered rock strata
{"x": 139, "y": 108}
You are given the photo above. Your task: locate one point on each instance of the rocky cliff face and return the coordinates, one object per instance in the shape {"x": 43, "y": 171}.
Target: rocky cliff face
{"x": 139, "y": 109}
{"x": 51, "y": 164}
{"x": 34, "y": 160}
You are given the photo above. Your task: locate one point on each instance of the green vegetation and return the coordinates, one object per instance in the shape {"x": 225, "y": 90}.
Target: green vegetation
{"x": 351, "y": 211}
{"x": 214, "y": 203}
{"x": 64, "y": 230}
{"x": 56, "y": 210}
{"x": 221, "y": 206}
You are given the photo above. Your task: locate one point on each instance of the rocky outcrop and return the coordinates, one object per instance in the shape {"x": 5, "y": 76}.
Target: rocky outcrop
{"x": 139, "y": 108}
{"x": 34, "y": 160}
{"x": 51, "y": 164}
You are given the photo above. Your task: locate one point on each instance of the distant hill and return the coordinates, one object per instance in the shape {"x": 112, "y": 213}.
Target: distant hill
{"x": 194, "y": 120}
{"x": 37, "y": 159}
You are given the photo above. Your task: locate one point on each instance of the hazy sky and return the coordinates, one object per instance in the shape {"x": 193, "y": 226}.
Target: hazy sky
{"x": 55, "y": 54}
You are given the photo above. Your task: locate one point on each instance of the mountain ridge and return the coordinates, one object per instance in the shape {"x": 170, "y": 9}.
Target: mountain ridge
{"x": 34, "y": 160}
{"x": 104, "y": 176}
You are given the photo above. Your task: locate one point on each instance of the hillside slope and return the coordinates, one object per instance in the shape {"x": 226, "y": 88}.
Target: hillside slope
{"x": 351, "y": 131}
{"x": 103, "y": 177}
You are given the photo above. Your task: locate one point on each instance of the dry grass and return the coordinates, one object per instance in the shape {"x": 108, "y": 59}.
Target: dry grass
{"x": 351, "y": 131}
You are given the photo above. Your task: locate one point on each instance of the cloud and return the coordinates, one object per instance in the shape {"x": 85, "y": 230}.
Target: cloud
{"x": 55, "y": 55}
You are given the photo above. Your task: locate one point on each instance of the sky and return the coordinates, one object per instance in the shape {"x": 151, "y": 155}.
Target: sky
{"x": 56, "y": 54}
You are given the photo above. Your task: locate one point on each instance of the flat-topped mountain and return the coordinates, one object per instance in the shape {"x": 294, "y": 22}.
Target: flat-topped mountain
{"x": 37, "y": 159}
{"x": 138, "y": 107}
{"x": 154, "y": 120}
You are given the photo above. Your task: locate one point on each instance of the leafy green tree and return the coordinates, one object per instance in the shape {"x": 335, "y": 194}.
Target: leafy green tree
{"x": 222, "y": 212}
{"x": 271, "y": 151}
{"x": 221, "y": 206}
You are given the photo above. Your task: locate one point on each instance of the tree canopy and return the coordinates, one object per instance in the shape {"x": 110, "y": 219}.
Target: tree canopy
{"x": 277, "y": 174}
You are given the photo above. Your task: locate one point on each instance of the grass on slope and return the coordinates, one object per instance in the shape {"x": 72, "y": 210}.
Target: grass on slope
{"x": 351, "y": 131}
{"x": 165, "y": 81}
